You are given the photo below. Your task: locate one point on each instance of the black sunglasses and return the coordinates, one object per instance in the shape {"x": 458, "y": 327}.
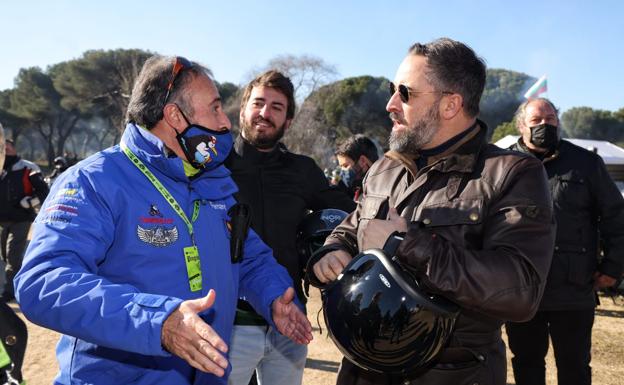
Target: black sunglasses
{"x": 405, "y": 92}
{"x": 180, "y": 65}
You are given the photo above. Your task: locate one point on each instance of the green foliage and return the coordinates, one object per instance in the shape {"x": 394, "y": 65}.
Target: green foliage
{"x": 337, "y": 111}
{"x": 356, "y": 105}
{"x": 11, "y": 122}
{"x": 504, "y": 129}
{"x": 587, "y": 123}
{"x": 34, "y": 97}
{"x": 231, "y": 96}
{"x": 92, "y": 92}
{"x": 100, "y": 82}
{"x": 36, "y": 100}
{"x": 227, "y": 90}
{"x": 502, "y": 95}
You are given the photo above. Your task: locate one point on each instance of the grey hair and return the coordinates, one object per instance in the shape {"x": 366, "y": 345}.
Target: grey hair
{"x": 454, "y": 67}
{"x": 520, "y": 114}
{"x": 147, "y": 101}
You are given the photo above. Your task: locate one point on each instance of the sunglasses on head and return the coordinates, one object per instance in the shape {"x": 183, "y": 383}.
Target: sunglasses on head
{"x": 405, "y": 92}
{"x": 179, "y": 65}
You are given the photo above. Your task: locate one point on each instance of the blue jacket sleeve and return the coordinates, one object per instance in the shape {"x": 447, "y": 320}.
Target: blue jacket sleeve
{"x": 59, "y": 287}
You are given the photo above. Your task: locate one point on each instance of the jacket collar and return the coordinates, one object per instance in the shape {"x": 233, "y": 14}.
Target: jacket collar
{"x": 460, "y": 157}
{"x": 522, "y": 147}
{"x": 153, "y": 152}
{"x": 246, "y": 150}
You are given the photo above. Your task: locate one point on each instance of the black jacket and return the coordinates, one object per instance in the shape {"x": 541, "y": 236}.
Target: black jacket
{"x": 18, "y": 179}
{"x": 589, "y": 211}
{"x": 280, "y": 188}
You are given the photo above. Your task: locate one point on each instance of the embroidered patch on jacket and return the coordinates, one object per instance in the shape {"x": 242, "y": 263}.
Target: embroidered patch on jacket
{"x": 217, "y": 205}
{"x": 155, "y": 217}
{"x": 159, "y": 236}
{"x": 153, "y": 211}
{"x": 64, "y": 209}
{"x": 53, "y": 218}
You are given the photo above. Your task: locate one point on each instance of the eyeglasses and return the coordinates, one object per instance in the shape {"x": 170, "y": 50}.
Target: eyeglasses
{"x": 180, "y": 65}
{"x": 405, "y": 92}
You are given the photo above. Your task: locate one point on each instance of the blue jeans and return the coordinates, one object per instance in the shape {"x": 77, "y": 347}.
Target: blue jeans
{"x": 277, "y": 359}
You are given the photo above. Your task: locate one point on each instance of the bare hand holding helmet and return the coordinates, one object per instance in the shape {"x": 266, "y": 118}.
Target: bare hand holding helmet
{"x": 377, "y": 313}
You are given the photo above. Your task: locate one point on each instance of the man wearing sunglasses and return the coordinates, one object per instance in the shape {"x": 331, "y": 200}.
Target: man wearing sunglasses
{"x": 131, "y": 257}
{"x": 473, "y": 222}
{"x": 280, "y": 187}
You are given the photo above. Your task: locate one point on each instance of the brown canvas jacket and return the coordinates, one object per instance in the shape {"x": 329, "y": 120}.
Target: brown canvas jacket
{"x": 481, "y": 234}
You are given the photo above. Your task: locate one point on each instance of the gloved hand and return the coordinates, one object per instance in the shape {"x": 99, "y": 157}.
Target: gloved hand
{"x": 29, "y": 202}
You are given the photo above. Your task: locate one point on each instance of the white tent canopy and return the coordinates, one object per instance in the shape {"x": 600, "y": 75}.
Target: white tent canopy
{"x": 610, "y": 153}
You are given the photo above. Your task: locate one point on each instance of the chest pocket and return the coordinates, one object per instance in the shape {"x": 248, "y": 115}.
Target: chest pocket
{"x": 372, "y": 207}
{"x": 450, "y": 213}
{"x": 570, "y": 191}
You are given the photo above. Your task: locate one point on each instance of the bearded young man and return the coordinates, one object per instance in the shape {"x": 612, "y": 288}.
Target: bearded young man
{"x": 280, "y": 187}
{"x": 475, "y": 220}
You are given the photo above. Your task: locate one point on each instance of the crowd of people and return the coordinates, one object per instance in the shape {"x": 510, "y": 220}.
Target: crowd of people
{"x": 172, "y": 257}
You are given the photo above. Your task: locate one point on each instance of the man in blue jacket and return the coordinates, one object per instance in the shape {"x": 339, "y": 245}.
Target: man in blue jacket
{"x": 130, "y": 257}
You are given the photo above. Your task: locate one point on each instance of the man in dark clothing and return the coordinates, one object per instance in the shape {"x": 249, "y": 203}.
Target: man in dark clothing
{"x": 13, "y": 332}
{"x": 589, "y": 211}
{"x": 476, "y": 220}
{"x": 280, "y": 187}
{"x": 355, "y": 156}
{"x": 22, "y": 189}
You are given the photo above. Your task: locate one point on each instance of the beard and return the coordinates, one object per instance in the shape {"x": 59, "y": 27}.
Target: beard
{"x": 261, "y": 140}
{"x": 412, "y": 139}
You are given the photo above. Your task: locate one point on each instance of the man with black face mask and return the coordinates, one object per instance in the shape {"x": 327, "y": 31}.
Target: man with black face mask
{"x": 280, "y": 187}
{"x": 355, "y": 156}
{"x": 589, "y": 211}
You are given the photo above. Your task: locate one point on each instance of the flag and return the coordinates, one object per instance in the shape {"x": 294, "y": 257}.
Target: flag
{"x": 540, "y": 86}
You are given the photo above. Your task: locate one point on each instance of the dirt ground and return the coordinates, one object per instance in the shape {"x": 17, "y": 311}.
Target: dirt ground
{"x": 323, "y": 359}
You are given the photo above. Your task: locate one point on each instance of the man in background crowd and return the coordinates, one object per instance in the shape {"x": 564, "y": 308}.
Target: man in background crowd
{"x": 13, "y": 332}
{"x": 60, "y": 165}
{"x": 22, "y": 190}
{"x": 355, "y": 156}
{"x": 279, "y": 187}
{"x": 588, "y": 253}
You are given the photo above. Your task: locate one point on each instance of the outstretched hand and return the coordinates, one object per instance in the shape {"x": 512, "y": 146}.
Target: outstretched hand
{"x": 186, "y": 335}
{"x": 290, "y": 320}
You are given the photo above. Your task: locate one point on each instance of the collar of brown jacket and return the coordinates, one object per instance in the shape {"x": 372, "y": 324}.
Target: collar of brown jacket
{"x": 459, "y": 157}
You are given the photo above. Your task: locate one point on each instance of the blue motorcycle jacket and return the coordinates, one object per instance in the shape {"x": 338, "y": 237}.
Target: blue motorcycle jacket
{"x": 105, "y": 265}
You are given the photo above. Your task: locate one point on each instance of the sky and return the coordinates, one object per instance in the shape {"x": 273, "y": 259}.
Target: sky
{"x": 578, "y": 45}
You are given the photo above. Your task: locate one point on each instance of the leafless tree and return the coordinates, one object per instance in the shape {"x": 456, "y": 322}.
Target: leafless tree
{"x": 307, "y": 72}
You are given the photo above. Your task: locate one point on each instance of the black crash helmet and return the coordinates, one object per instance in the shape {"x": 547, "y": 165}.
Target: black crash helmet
{"x": 314, "y": 228}
{"x": 60, "y": 162}
{"x": 381, "y": 320}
